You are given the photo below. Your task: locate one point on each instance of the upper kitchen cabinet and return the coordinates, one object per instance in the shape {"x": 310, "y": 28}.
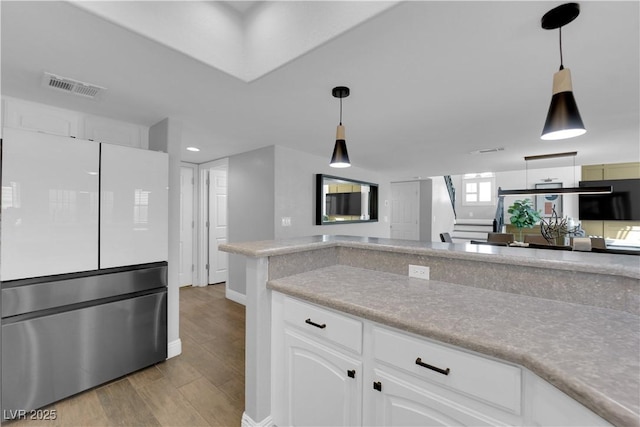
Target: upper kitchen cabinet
{"x": 49, "y": 205}
{"x": 133, "y": 210}
{"x": 32, "y": 116}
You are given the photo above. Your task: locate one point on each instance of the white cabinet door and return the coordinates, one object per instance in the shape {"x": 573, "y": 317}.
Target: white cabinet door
{"x": 133, "y": 211}
{"x": 218, "y": 260}
{"x": 401, "y": 403}
{"x": 49, "y": 205}
{"x": 110, "y": 131}
{"x": 31, "y": 116}
{"x": 550, "y": 407}
{"x": 323, "y": 386}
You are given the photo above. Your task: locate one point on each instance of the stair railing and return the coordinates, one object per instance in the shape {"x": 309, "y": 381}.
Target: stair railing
{"x": 498, "y": 220}
{"x": 452, "y": 193}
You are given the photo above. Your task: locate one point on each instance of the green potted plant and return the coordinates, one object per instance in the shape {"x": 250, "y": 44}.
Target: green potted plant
{"x": 523, "y": 215}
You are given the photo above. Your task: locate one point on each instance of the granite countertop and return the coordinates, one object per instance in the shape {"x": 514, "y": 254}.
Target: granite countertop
{"x": 620, "y": 265}
{"x": 590, "y": 353}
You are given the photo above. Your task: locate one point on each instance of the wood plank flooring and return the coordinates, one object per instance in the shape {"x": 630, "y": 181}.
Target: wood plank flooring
{"x": 204, "y": 386}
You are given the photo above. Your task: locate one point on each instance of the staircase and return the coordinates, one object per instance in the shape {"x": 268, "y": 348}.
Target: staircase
{"x": 465, "y": 230}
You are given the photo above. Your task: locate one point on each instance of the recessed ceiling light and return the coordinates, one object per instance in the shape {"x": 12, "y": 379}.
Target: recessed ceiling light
{"x": 193, "y": 149}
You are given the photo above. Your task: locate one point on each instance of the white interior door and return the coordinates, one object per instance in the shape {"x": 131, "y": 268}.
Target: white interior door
{"x": 218, "y": 260}
{"x": 405, "y": 210}
{"x": 187, "y": 224}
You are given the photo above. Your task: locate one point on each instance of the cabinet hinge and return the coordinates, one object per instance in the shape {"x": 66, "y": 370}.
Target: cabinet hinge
{"x": 351, "y": 373}
{"x": 207, "y": 267}
{"x": 193, "y": 268}
{"x": 377, "y": 385}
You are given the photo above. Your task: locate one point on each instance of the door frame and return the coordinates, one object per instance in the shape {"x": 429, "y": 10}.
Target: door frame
{"x": 202, "y": 276}
{"x": 194, "y": 215}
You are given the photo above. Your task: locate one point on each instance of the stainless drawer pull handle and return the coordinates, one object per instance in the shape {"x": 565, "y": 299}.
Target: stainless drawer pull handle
{"x": 433, "y": 368}
{"x": 315, "y": 324}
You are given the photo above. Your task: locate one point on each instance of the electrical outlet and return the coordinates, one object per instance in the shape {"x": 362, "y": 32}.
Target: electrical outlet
{"x": 419, "y": 271}
{"x": 286, "y": 221}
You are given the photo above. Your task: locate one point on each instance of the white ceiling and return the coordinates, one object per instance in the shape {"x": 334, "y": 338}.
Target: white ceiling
{"x": 430, "y": 82}
{"x": 241, "y": 5}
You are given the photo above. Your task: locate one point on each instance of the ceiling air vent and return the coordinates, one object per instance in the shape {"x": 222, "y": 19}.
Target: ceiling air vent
{"x": 75, "y": 87}
{"x": 487, "y": 150}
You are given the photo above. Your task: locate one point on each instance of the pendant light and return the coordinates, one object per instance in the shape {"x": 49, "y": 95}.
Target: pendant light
{"x": 563, "y": 119}
{"x": 606, "y": 189}
{"x": 340, "y": 157}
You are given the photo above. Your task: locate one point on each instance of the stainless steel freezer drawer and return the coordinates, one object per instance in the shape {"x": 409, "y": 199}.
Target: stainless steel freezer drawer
{"x": 42, "y": 293}
{"x": 48, "y": 358}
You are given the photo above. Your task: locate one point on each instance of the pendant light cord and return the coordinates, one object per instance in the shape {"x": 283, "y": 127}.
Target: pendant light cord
{"x": 560, "y": 37}
{"x": 340, "y": 111}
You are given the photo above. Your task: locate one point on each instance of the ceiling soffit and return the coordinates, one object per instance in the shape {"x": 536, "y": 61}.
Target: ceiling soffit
{"x": 247, "y": 45}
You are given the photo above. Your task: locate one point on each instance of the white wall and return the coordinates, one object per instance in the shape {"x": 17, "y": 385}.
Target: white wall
{"x": 251, "y": 189}
{"x": 426, "y": 210}
{"x": 274, "y": 182}
{"x": 295, "y": 196}
{"x": 166, "y": 136}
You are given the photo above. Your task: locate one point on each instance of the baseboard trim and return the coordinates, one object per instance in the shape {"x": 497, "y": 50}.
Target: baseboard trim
{"x": 247, "y": 421}
{"x": 174, "y": 348}
{"x": 235, "y": 296}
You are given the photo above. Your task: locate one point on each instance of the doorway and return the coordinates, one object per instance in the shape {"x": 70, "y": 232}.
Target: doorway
{"x": 213, "y": 214}
{"x": 405, "y": 210}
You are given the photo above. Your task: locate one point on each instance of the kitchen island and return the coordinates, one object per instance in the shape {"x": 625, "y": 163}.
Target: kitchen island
{"x": 571, "y": 318}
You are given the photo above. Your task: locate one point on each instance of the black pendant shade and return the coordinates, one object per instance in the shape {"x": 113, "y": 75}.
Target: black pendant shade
{"x": 340, "y": 157}
{"x": 563, "y": 118}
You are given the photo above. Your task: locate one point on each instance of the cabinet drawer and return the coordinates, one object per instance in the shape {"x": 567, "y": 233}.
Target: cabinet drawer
{"x": 493, "y": 382}
{"x": 317, "y": 321}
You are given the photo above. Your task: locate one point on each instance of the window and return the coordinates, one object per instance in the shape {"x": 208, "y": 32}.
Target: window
{"x": 478, "y": 189}
{"x": 141, "y": 206}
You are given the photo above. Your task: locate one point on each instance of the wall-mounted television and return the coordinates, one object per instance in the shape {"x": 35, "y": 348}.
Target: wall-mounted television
{"x": 344, "y": 204}
{"x": 623, "y": 204}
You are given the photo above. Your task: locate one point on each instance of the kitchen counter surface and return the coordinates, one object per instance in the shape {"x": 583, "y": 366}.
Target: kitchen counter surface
{"x": 590, "y": 353}
{"x": 618, "y": 265}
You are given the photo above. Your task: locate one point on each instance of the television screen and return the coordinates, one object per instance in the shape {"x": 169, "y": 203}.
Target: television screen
{"x": 623, "y": 204}
{"x": 344, "y": 204}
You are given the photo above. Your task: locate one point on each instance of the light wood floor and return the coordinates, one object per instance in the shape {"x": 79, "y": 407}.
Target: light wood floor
{"x": 204, "y": 386}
